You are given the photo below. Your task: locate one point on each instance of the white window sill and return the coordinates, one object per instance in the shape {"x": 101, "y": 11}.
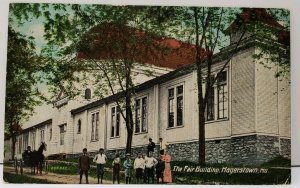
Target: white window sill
{"x": 181, "y": 126}
{"x": 217, "y": 120}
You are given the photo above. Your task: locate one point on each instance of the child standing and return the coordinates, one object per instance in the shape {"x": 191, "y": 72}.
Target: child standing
{"x": 128, "y": 168}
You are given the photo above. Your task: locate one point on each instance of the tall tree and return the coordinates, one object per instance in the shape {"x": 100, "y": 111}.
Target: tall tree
{"x": 206, "y": 28}
{"x": 22, "y": 94}
{"x": 109, "y": 42}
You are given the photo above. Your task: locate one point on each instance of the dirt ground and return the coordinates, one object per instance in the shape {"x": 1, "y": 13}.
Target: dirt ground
{"x": 55, "y": 178}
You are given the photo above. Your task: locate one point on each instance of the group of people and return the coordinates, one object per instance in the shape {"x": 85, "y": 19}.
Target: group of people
{"x": 144, "y": 167}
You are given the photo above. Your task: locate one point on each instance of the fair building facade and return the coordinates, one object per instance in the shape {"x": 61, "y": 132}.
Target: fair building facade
{"x": 247, "y": 116}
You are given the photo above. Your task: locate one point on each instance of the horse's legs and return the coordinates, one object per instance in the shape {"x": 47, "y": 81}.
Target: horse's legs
{"x": 41, "y": 167}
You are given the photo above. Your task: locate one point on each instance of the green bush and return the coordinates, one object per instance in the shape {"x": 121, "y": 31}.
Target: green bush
{"x": 16, "y": 178}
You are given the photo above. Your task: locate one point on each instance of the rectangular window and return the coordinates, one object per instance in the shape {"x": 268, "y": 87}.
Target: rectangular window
{"x": 25, "y": 140}
{"x": 222, "y": 96}
{"x": 171, "y": 107}
{"x": 42, "y": 135}
{"x": 50, "y": 133}
{"x": 62, "y": 133}
{"x": 217, "y": 102}
{"x": 210, "y": 110}
{"x": 33, "y": 140}
{"x": 20, "y": 144}
{"x": 95, "y": 126}
{"x": 115, "y": 122}
{"x": 141, "y": 115}
{"x": 175, "y": 106}
{"x": 179, "y": 105}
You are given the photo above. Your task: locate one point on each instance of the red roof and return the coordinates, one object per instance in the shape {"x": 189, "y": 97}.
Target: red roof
{"x": 113, "y": 41}
{"x": 254, "y": 14}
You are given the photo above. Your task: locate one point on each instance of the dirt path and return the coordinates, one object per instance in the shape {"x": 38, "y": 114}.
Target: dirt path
{"x": 56, "y": 178}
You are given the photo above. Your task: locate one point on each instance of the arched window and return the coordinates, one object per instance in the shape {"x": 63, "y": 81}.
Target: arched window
{"x": 87, "y": 94}
{"x": 79, "y": 127}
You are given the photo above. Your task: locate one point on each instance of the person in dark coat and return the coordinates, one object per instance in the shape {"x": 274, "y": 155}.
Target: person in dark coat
{"x": 160, "y": 167}
{"x": 26, "y": 156}
{"x": 150, "y": 147}
{"x": 116, "y": 168}
{"x": 84, "y": 165}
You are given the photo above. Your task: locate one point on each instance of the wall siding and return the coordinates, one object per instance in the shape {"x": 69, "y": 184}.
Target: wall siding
{"x": 242, "y": 92}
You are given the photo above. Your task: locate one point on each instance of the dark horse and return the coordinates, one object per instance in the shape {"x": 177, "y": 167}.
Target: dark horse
{"x": 37, "y": 158}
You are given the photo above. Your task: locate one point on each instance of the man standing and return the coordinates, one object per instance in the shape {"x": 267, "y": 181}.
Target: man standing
{"x": 139, "y": 166}
{"x": 100, "y": 160}
{"x": 84, "y": 165}
{"x": 162, "y": 146}
{"x": 26, "y": 156}
{"x": 150, "y": 162}
{"x": 150, "y": 147}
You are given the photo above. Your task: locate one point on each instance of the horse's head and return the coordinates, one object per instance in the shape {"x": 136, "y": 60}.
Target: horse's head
{"x": 43, "y": 147}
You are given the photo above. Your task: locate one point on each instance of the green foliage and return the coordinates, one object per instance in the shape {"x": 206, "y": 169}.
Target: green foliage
{"x": 23, "y": 74}
{"x": 16, "y": 178}
{"x": 72, "y": 169}
{"x": 279, "y": 172}
{"x": 278, "y": 162}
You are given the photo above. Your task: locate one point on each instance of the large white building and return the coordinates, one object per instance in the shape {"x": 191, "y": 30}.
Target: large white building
{"x": 247, "y": 119}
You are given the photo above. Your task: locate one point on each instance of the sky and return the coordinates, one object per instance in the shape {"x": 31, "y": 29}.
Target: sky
{"x": 293, "y": 5}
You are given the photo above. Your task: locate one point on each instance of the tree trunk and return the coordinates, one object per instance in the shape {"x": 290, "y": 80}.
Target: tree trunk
{"x": 129, "y": 141}
{"x": 129, "y": 116}
{"x": 201, "y": 112}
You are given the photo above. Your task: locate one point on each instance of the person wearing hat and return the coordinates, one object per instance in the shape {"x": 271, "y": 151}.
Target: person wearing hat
{"x": 150, "y": 147}
{"x": 100, "y": 160}
{"x": 128, "y": 168}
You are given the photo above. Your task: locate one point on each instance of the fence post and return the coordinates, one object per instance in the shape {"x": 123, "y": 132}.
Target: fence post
{"x": 16, "y": 165}
{"x": 46, "y": 167}
{"x": 21, "y": 166}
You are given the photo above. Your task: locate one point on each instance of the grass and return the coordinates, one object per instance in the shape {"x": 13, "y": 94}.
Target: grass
{"x": 273, "y": 175}
{"x": 62, "y": 168}
{"x": 16, "y": 178}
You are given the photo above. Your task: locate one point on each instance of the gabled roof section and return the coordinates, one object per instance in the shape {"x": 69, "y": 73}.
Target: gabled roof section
{"x": 254, "y": 14}
{"x": 113, "y": 41}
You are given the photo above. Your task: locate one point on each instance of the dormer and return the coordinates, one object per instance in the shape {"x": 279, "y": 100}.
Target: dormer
{"x": 61, "y": 99}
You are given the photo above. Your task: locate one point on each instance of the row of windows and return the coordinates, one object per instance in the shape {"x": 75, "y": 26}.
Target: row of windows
{"x": 217, "y": 108}
{"x": 25, "y": 141}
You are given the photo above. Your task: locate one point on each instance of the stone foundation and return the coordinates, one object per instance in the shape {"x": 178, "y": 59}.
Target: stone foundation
{"x": 285, "y": 145}
{"x": 245, "y": 150}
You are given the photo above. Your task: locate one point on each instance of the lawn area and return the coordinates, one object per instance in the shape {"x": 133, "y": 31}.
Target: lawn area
{"x": 16, "y": 178}
{"x": 276, "y": 171}
{"x": 72, "y": 169}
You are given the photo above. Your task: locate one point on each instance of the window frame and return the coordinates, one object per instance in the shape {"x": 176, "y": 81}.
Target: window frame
{"x": 79, "y": 123}
{"x": 62, "y": 131}
{"x": 42, "y": 135}
{"x": 95, "y": 126}
{"x": 175, "y": 97}
{"x": 216, "y": 107}
{"x": 116, "y": 118}
{"x": 141, "y": 114}
{"x": 33, "y": 139}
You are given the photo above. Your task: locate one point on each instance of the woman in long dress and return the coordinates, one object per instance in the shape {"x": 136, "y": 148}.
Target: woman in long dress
{"x": 167, "y": 172}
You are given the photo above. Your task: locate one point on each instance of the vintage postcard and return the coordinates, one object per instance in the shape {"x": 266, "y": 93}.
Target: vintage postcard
{"x": 107, "y": 94}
